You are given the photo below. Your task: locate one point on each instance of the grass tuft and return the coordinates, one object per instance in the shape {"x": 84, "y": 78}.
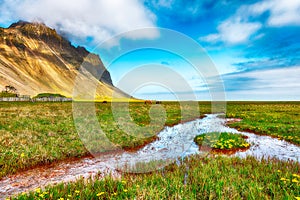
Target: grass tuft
{"x": 222, "y": 141}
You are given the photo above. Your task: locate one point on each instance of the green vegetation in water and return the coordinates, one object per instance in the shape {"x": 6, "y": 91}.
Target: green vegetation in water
{"x": 222, "y": 141}
{"x": 195, "y": 178}
{"x": 52, "y": 95}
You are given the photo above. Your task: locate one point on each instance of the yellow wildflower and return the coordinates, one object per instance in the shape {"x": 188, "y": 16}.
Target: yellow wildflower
{"x": 296, "y": 175}
{"x": 295, "y": 181}
{"x": 77, "y": 191}
{"x": 99, "y": 194}
{"x": 22, "y": 155}
{"x": 38, "y": 190}
{"x": 125, "y": 190}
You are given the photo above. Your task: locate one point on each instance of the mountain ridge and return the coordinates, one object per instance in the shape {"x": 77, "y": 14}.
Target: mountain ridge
{"x": 36, "y": 59}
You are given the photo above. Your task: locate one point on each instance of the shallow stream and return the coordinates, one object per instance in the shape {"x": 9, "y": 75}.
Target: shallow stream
{"x": 173, "y": 143}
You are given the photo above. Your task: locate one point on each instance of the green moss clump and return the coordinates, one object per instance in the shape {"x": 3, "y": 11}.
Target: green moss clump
{"x": 41, "y": 95}
{"x": 222, "y": 141}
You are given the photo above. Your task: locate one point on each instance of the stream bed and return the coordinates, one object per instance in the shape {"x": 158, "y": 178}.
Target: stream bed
{"x": 173, "y": 143}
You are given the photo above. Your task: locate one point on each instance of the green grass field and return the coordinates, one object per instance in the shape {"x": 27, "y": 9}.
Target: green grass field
{"x": 40, "y": 133}
{"x": 280, "y": 120}
{"x": 34, "y": 134}
{"x": 196, "y": 178}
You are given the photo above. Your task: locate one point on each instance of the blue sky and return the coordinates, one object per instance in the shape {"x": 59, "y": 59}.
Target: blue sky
{"x": 254, "y": 45}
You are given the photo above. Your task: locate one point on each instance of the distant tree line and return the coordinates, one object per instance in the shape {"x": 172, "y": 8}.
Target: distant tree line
{"x": 9, "y": 91}
{"x": 49, "y": 95}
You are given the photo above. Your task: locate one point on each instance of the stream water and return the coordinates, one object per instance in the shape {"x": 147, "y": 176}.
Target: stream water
{"x": 173, "y": 143}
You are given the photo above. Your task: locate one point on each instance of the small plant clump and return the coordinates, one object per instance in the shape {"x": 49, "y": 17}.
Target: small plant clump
{"x": 9, "y": 91}
{"x": 42, "y": 95}
{"x": 222, "y": 141}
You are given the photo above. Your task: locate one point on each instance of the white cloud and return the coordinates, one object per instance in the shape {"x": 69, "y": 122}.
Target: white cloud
{"x": 281, "y": 12}
{"x": 270, "y": 84}
{"x": 211, "y": 38}
{"x": 274, "y": 78}
{"x": 233, "y": 31}
{"x": 238, "y": 28}
{"x": 98, "y": 19}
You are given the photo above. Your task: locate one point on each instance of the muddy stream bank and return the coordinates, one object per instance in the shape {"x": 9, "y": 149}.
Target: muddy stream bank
{"x": 173, "y": 143}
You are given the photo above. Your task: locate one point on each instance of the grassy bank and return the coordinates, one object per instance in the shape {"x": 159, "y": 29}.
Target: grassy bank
{"x": 39, "y": 133}
{"x": 196, "y": 178}
{"x": 277, "y": 119}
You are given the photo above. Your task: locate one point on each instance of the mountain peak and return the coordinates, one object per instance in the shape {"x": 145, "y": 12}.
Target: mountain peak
{"x": 34, "y": 29}
{"x": 35, "y": 59}
{"x": 20, "y": 23}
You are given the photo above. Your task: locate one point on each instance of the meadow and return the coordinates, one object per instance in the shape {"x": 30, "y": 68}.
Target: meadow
{"x": 276, "y": 119}
{"x": 194, "y": 178}
{"x": 34, "y": 134}
{"x": 41, "y": 133}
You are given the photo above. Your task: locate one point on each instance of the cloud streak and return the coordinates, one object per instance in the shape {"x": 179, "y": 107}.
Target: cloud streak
{"x": 281, "y": 12}
{"x": 238, "y": 28}
{"x": 233, "y": 31}
{"x": 264, "y": 80}
{"x": 98, "y": 20}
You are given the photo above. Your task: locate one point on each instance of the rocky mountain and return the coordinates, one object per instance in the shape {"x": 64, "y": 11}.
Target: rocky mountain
{"x": 36, "y": 59}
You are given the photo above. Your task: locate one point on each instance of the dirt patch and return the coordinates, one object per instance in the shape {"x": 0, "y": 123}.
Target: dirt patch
{"x": 223, "y": 151}
{"x": 232, "y": 120}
